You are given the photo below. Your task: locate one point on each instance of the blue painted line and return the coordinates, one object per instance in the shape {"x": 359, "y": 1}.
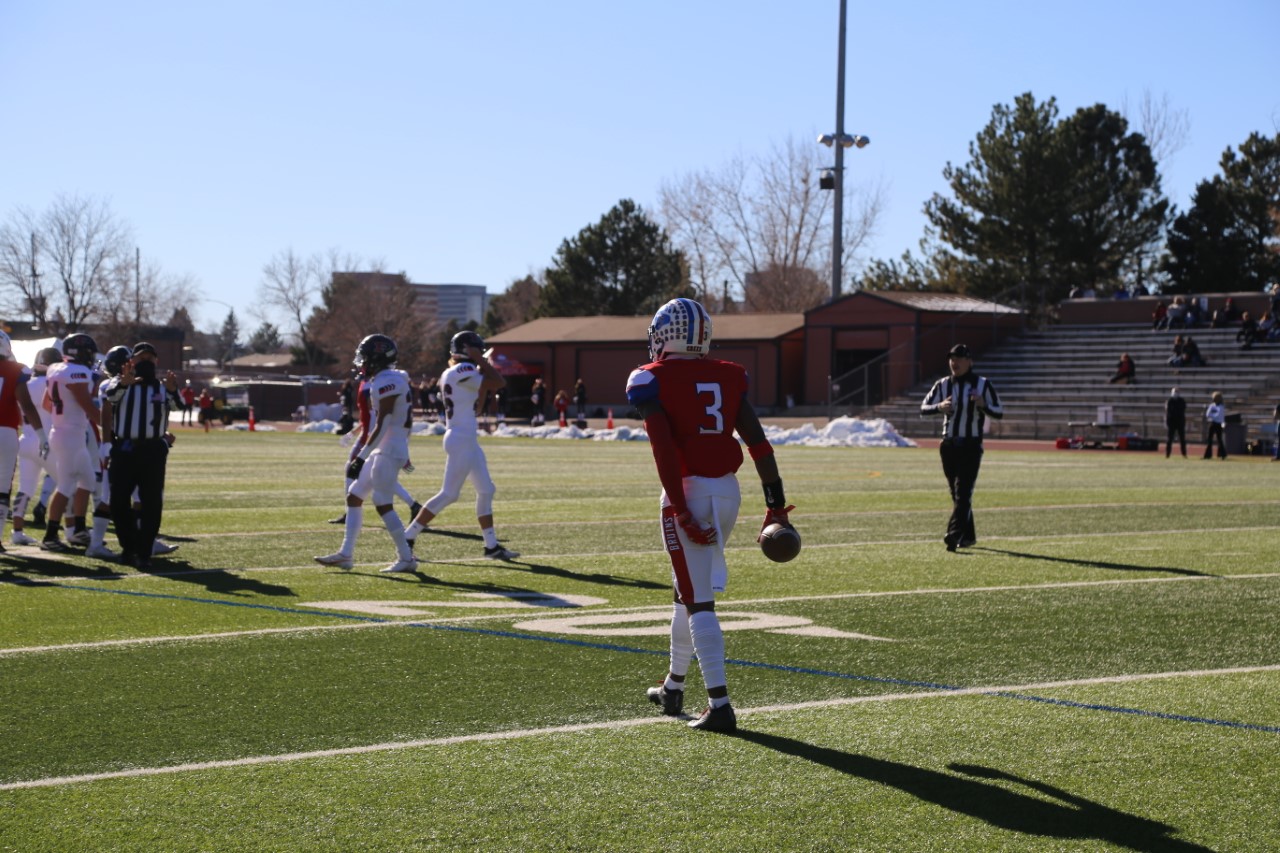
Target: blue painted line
{"x": 613, "y": 647}
{"x": 1120, "y": 709}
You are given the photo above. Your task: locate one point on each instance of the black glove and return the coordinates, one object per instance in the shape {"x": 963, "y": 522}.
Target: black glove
{"x": 354, "y": 467}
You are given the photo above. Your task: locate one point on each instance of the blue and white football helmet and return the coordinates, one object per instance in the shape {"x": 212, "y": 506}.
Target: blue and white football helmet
{"x": 681, "y": 327}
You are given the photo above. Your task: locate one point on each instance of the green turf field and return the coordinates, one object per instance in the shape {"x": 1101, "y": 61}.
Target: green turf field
{"x": 1102, "y": 672}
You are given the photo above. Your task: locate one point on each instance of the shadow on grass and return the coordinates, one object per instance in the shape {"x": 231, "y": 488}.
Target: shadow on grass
{"x": 583, "y": 577}
{"x": 27, "y": 564}
{"x": 214, "y": 580}
{"x": 1098, "y": 564}
{"x": 452, "y": 534}
{"x": 1070, "y": 817}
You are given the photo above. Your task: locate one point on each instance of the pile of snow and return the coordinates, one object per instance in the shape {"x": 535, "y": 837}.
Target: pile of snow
{"x": 841, "y": 432}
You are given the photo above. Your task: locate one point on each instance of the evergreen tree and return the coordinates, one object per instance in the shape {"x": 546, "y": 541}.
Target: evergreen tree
{"x": 1049, "y": 204}
{"x": 265, "y": 339}
{"x": 1230, "y": 238}
{"x": 623, "y": 265}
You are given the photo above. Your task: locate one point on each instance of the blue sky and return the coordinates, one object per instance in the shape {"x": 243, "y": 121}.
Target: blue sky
{"x": 462, "y": 142}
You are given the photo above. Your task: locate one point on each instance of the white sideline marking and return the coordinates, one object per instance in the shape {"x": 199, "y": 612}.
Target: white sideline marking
{"x": 663, "y": 609}
{"x": 611, "y": 725}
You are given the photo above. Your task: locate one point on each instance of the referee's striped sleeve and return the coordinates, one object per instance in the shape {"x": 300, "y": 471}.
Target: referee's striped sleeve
{"x": 934, "y": 398}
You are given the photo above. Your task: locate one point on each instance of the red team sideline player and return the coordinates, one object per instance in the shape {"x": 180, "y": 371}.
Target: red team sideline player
{"x": 691, "y": 405}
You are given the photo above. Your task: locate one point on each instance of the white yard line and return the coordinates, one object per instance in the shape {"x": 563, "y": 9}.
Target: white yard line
{"x": 523, "y": 613}
{"x": 612, "y": 725}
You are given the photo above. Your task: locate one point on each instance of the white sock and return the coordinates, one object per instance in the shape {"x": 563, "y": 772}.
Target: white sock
{"x": 681, "y": 645}
{"x": 99, "y": 533}
{"x": 396, "y": 528}
{"x": 708, "y": 642}
{"x": 355, "y": 520}
{"x": 412, "y": 531}
{"x": 490, "y": 537}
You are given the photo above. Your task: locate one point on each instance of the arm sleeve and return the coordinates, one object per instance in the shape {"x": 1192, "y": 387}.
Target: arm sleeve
{"x": 666, "y": 454}
{"x": 992, "y": 401}
{"x": 932, "y": 399}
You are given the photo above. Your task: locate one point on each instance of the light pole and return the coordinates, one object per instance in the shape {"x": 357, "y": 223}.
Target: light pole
{"x": 835, "y": 178}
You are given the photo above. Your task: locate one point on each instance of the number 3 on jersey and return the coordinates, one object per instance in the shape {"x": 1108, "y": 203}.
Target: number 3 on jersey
{"x": 710, "y": 394}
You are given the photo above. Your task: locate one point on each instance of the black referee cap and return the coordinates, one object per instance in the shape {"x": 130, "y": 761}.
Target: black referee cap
{"x": 142, "y": 346}
{"x": 957, "y": 351}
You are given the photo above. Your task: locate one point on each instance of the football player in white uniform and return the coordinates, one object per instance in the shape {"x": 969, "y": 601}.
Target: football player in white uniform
{"x": 462, "y": 387}
{"x": 113, "y": 363}
{"x": 33, "y": 448}
{"x": 387, "y": 451}
{"x": 68, "y": 397}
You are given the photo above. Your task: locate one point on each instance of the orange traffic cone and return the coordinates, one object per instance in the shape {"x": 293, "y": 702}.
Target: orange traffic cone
{"x": 608, "y": 424}
{"x": 253, "y": 422}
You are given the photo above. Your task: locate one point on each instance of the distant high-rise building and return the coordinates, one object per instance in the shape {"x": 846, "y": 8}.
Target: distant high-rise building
{"x": 461, "y": 302}
{"x": 434, "y": 303}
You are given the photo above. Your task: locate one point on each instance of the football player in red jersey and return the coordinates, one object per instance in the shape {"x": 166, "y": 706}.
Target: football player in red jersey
{"x": 692, "y": 404}
{"x": 15, "y": 407}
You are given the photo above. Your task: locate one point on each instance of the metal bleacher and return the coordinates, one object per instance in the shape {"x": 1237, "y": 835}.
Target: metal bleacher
{"x": 1057, "y": 376}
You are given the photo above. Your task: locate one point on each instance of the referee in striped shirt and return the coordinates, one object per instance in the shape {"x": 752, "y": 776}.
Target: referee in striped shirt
{"x": 135, "y": 419}
{"x": 965, "y": 400}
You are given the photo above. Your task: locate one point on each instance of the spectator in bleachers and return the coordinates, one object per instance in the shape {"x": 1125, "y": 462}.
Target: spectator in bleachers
{"x": 1160, "y": 316}
{"x": 1216, "y": 415}
{"x": 1126, "y": 371}
{"x": 1275, "y": 449}
{"x": 1274, "y": 292}
{"x": 1268, "y": 328}
{"x": 1248, "y": 331}
{"x": 1178, "y": 359}
{"x": 1176, "y": 316}
{"x": 1227, "y": 315}
{"x": 1175, "y": 419}
{"x": 1191, "y": 356}
{"x": 1195, "y": 313}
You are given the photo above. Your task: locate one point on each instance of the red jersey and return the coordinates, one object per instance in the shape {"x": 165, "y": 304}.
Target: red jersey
{"x": 701, "y": 397}
{"x": 12, "y": 374}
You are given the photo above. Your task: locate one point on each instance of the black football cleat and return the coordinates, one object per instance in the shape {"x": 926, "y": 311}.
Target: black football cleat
{"x": 672, "y": 701}
{"x": 342, "y": 519}
{"x": 721, "y": 719}
{"x": 967, "y": 543}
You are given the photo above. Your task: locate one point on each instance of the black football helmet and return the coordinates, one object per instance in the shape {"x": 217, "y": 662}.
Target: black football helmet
{"x": 375, "y": 354}
{"x": 461, "y": 341}
{"x": 45, "y": 358}
{"x": 115, "y": 360}
{"x": 79, "y": 348}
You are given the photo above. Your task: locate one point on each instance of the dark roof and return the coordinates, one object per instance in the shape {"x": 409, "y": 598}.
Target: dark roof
{"x": 606, "y": 329}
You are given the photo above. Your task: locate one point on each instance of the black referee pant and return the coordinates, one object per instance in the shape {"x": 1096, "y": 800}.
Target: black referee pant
{"x": 140, "y": 465}
{"x": 961, "y": 459}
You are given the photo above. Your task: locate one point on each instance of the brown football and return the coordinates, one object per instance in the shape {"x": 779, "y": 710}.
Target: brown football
{"x": 780, "y": 544}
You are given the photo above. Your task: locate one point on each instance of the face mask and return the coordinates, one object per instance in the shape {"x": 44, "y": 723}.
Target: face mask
{"x": 145, "y": 369}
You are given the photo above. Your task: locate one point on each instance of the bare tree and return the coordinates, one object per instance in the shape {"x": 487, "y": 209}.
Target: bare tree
{"x": 353, "y": 306}
{"x": 23, "y": 291}
{"x": 514, "y": 306}
{"x": 1166, "y": 129}
{"x": 764, "y": 225}
{"x": 91, "y": 253}
{"x": 292, "y": 285}
{"x": 86, "y": 250}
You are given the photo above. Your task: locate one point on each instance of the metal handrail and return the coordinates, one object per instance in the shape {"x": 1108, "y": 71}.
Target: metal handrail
{"x": 848, "y": 392}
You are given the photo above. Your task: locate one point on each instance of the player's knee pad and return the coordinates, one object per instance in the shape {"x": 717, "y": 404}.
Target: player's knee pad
{"x": 484, "y": 503}
{"x": 440, "y": 500}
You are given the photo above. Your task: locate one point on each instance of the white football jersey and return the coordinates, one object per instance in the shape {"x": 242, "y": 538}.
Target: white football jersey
{"x": 35, "y": 387}
{"x": 59, "y": 379}
{"x": 460, "y": 390}
{"x": 394, "y": 438}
